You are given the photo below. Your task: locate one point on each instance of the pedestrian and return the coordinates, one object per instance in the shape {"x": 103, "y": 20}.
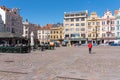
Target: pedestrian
{"x": 90, "y": 47}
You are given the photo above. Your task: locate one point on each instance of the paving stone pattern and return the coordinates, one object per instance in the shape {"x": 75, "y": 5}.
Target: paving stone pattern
{"x": 63, "y": 63}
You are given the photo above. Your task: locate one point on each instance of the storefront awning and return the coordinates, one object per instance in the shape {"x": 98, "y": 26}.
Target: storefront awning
{"x": 9, "y": 35}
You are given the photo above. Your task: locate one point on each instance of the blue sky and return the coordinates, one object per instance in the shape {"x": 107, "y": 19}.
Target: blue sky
{"x": 52, "y": 11}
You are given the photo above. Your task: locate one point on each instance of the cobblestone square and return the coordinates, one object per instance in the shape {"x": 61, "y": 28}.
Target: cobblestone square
{"x": 63, "y": 63}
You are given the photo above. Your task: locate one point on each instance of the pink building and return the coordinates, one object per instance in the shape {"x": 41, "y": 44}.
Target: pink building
{"x": 108, "y": 27}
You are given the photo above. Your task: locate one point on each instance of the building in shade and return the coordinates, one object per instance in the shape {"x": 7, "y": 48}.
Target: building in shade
{"x": 1, "y": 24}
{"x": 108, "y": 27}
{"x": 10, "y": 26}
{"x": 30, "y": 28}
{"x": 75, "y": 27}
{"x": 11, "y": 19}
{"x": 94, "y": 28}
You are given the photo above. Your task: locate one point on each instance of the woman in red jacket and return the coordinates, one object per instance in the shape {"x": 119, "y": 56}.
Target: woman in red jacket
{"x": 90, "y": 47}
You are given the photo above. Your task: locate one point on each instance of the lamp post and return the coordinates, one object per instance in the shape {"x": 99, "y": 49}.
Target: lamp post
{"x": 108, "y": 33}
{"x": 96, "y": 34}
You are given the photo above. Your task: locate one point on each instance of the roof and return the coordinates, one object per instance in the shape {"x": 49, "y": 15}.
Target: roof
{"x": 47, "y": 27}
{"x": 5, "y": 8}
{"x": 9, "y": 35}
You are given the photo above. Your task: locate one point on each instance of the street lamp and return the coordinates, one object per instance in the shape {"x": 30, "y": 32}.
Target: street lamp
{"x": 96, "y": 34}
{"x": 108, "y": 32}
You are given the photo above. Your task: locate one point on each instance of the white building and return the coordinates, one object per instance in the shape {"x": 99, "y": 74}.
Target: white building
{"x": 44, "y": 33}
{"x": 11, "y": 19}
{"x": 75, "y": 24}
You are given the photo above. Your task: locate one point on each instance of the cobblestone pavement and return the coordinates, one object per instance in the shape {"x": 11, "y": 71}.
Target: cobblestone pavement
{"x": 63, "y": 63}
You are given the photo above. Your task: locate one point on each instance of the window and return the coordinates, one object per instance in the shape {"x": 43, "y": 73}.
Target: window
{"x": 117, "y": 22}
{"x": 118, "y": 34}
{"x": 112, "y": 22}
{"x": 77, "y": 19}
{"x": 118, "y": 27}
{"x": 72, "y": 29}
{"x": 72, "y": 20}
{"x": 82, "y": 19}
{"x": 77, "y": 29}
{"x": 113, "y": 34}
{"x": 82, "y": 24}
{"x": 103, "y": 34}
{"x": 83, "y": 35}
{"x": 67, "y": 30}
{"x": 93, "y": 35}
{"x": 89, "y": 23}
{"x": 42, "y": 32}
{"x": 66, "y": 15}
{"x": 13, "y": 24}
{"x": 82, "y": 14}
{"x": 112, "y": 28}
{"x": 72, "y": 15}
{"x": 108, "y": 22}
{"x": 66, "y": 35}
{"x": 89, "y": 35}
{"x": 72, "y": 35}
{"x": 67, "y": 20}
{"x": 26, "y": 32}
{"x": 77, "y": 24}
{"x": 103, "y": 23}
{"x": 13, "y": 30}
{"x": 75, "y": 35}
{"x": 66, "y": 25}
{"x": 82, "y": 29}
{"x": 93, "y": 23}
{"x": 97, "y": 23}
{"x": 77, "y": 15}
{"x": 71, "y": 24}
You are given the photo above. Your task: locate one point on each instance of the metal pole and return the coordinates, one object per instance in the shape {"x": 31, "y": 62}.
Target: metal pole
{"x": 96, "y": 34}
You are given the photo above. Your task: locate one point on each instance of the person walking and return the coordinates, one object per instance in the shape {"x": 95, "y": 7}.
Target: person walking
{"x": 90, "y": 47}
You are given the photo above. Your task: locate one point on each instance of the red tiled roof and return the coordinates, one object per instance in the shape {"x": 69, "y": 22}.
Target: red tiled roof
{"x": 5, "y": 8}
{"x": 48, "y": 26}
{"x": 116, "y": 12}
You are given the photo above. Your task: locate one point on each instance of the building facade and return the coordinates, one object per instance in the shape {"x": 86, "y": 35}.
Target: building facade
{"x": 108, "y": 27}
{"x": 118, "y": 25}
{"x": 1, "y": 24}
{"x": 75, "y": 26}
{"x": 94, "y": 28}
{"x": 44, "y": 33}
{"x": 56, "y": 33}
{"x": 11, "y": 19}
{"x": 28, "y": 29}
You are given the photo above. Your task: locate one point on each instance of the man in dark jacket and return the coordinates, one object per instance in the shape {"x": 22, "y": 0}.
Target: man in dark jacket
{"x": 90, "y": 47}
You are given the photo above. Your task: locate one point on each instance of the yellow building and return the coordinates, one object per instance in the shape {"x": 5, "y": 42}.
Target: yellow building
{"x": 94, "y": 28}
{"x": 56, "y": 33}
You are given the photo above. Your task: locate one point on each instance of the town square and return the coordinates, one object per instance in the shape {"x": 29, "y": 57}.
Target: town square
{"x": 60, "y": 40}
